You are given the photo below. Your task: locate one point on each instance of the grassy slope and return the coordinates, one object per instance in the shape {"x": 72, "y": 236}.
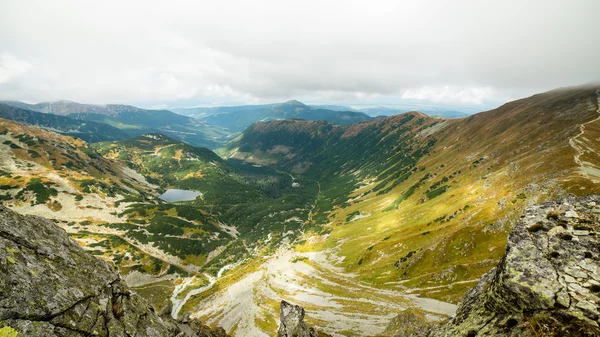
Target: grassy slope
{"x": 431, "y": 211}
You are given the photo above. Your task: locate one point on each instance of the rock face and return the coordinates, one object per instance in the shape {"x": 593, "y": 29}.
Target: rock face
{"x": 50, "y": 286}
{"x": 292, "y": 322}
{"x": 547, "y": 283}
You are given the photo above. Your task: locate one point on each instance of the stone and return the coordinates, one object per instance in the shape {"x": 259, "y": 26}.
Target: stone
{"x": 588, "y": 307}
{"x": 563, "y": 298}
{"x": 571, "y": 214}
{"x": 292, "y": 322}
{"x": 544, "y": 277}
{"x": 51, "y": 287}
{"x": 557, "y": 231}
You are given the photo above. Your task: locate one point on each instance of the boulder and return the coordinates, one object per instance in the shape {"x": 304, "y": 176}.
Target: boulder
{"x": 292, "y": 322}
{"x": 546, "y": 284}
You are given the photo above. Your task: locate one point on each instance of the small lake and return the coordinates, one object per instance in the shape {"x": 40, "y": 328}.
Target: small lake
{"x": 173, "y": 194}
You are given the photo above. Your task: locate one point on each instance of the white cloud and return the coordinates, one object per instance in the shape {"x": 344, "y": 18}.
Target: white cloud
{"x": 11, "y": 67}
{"x": 467, "y": 51}
{"x": 449, "y": 94}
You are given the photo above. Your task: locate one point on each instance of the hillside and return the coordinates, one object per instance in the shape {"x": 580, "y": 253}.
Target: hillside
{"x": 134, "y": 121}
{"x": 88, "y": 131}
{"x": 253, "y": 203}
{"x": 238, "y": 118}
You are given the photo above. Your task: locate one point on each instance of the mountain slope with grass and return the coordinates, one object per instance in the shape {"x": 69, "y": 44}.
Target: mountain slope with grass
{"x": 106, "y": 206}
{"x": 424, "y": 206}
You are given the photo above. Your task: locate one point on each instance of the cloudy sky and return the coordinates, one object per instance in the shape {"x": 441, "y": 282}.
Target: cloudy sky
{"x": 181, "y": 53}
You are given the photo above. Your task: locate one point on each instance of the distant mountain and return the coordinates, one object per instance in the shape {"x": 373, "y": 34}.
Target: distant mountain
{"x": 89, "y": 131}
{"x": 390, "y": 111}
{"x": 238, "y": 118}
{"x": 203, "y": 112}
{"x": 135, "y": 121}
{"x": 334, "y": 107}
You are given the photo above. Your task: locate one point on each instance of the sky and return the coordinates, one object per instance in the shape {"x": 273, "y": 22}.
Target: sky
{"x": 457, "y": 54}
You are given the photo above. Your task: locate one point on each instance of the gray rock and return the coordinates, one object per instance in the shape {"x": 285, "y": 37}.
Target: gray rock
{"x": 542, "y": 286}
{"x": 292, "y": 322}
{"x": 50, "y": 286}
{"x": 571, "y": 214}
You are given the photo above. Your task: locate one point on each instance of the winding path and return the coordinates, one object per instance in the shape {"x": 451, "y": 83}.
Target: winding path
{"x": 577, "y": 140}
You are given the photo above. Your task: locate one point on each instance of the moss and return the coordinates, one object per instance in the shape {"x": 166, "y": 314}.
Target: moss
{"x": 536, "y": 227}
{"x": 566, "y": 236}
{"x": 9, "y": 332}
{"x": 552, "y": 215}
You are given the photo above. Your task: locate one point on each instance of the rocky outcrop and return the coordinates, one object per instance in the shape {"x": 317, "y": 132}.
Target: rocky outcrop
{"x": 292, "y": 322}
{"x": 49, "y": 286}
{"x": 410, "y": 322}
{"x": 547, "y": 283}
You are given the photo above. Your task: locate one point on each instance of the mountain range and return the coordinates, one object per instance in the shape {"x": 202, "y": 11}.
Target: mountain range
{"x": 355, "y": 218}
{"x": 130, "y": 120}
{"x": 237, "y": 118}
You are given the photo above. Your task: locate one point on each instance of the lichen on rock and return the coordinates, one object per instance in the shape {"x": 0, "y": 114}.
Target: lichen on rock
{"x": 292, "y": 322}
{"x": 547, "y": 283}
{"x": 50, "y": 286}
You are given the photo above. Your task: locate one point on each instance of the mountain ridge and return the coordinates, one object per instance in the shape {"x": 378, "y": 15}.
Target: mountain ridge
{"x": 133, "y": 121}
{"x": 238, "y": 118}
{"x": 89, "y": 131}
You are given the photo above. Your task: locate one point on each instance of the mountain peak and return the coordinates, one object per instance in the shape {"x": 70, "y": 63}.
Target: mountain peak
{"x": 293, "y": 102}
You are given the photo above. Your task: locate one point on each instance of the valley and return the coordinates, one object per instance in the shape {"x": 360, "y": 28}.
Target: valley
{"x": 356, "y": 222}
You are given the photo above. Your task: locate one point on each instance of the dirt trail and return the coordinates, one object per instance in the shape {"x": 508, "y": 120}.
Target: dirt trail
{"x": 578, "y": 143}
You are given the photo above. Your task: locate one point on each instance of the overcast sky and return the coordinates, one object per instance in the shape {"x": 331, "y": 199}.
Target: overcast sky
{"x": 175, "y": 53}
